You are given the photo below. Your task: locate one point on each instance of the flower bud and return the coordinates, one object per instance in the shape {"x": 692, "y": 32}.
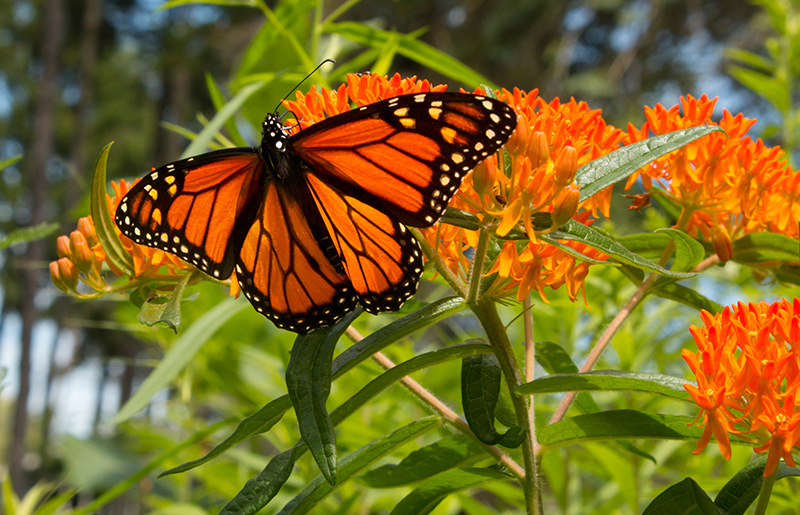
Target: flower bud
{"x": 81, "y": 253}
{"x": 566, "y": 205}
{"x": 86, "y": 226}
{"x": 518, "y": 142}
{"x": 538, "y": 149}
{"x": 721, "y": 241}
{"x": 68, "y": 273}
{"x": 55, "y": 276}
{"x": 63, "y": 247}
{"x": 566, "y": 166}
{"x": 484, "y": 176}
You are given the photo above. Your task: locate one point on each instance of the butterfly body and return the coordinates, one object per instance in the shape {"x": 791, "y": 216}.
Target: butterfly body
{"x": 313, "y": 223}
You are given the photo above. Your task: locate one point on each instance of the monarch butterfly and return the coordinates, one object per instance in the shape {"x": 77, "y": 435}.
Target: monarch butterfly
{"x": 313, "y": 223}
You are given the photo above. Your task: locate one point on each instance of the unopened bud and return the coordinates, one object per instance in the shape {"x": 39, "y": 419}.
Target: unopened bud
{"x": 566, "y": 205}
{"x": 721, "y": 241}
{"x": 63, "y": 247}
{"x": 517, "y": 143}
{"x": 82, "y": 255}
{"x": 566, "y": 166}
{"x": 483, "y": 177}
{"x": 538, "y": 149}
{"x": 86, "y": 226}
{"x": 68, "y": 273}
{"x": 55, "y": 276}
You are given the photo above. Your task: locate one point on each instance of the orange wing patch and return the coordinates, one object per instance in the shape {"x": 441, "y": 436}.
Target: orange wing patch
{"x": 284, "y": 273}
{"x": 381, "y": 258}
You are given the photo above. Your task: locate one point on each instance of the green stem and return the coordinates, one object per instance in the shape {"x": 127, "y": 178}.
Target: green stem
{"x": 486, "y": 312}
{"x": 766, "y": 492}
{"x": 476, "y": 272}
{"x": 439, "y": 264}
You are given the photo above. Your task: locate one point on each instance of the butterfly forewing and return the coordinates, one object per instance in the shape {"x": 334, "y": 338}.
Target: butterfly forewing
{"x": 282, "y": 270}
{"x": 380, "y": 256}
{"x": 407, "y": 155}
{"x": 191, "y": 208}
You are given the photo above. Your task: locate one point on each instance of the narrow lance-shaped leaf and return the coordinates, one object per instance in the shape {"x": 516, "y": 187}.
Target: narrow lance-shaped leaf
{"x": 317, "y": 490}
{"x": 308, "y": 379}
{"x": 739, "y": 493}
{"x": 103, "y": 224}
{"x": 609, "y": 380}
{"x": 26, "y": 234}
{"x": 178, "y": 356}
{"x": 450, "y": 452}
{"x": 429, "y": 494}
{"x": 597, "y": 175}
{"x": 480, "y": 390}
{"x": 688, "y": 251}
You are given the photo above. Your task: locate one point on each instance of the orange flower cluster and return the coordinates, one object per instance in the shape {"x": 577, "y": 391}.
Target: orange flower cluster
{"x": 81, "y": 256}
{"x": 728, "y": 185}
{"x": 748, "y": 372}
{"x": 551, "y": 142}
{"x": 362, "y": 90}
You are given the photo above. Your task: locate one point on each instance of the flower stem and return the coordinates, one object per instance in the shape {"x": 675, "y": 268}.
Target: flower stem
{"x": 476, "y": 272}
{"x": 766, "y": 492}
{"x": 486, "y": 312}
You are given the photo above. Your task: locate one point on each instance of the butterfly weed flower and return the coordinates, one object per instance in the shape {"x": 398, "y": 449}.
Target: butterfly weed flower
{"x": 553, "y": 139}
{"x": 726, "y": 184}
{"x": 748, "y": 371}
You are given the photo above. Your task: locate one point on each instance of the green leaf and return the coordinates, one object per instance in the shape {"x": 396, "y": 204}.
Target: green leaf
{"x": 411, "y": 48}
{"x": 645, "y": 243}
{"x": 317, "y": 490}
{"x": 178, "y": 356}
{"x": 200, "y": 143}
{"x": 739, "y": 493}
{"x": 555, "y": 360}
{"x": 670, "y": 205}
{"x": 168, "y": 312}
{"x": 427, "y": 496}
{"x": 134, "y": 479}
{"x": 448, "y": 453}
{"x": 618, "y": 424}
{"x": 26, "y": 234}
{"x": 684, "y": 498}
{"x": 688, "y": 251}
{"x": 575, "y": 231}
{"x": 269, "y": 415}
{"x": 773, "y": 89}
{"x": 103, "y": 224}
{"x": 763, "y": 247}
{"x": 260, "y": 490}
{"x": 480, "y": 391}
{"x": 5, "y": 163}
{"x": 596, "y": 175}
{"x": 257, "y": 423}
{"x": 308, "y": 379}
{"x": 674, "y": 292}
{"x": 219, "y": 102}
{"x": 609, "y": 380}
{"x": 752, "y": 60}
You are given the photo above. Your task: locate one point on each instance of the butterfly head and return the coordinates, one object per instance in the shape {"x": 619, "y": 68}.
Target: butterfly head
{"x": 274, "y": 136}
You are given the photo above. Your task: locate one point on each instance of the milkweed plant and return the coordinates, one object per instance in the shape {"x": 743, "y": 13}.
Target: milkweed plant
{"x": 528, "y": 221}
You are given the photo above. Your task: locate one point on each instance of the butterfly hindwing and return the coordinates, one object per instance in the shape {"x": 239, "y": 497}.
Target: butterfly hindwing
{"x": 191, "y": 207}
{"x": 380, "y": 256}
{"x": 282, "y": 270}
{"x": 406, "y": 155}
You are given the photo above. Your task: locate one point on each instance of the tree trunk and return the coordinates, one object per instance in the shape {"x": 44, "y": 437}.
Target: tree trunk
{"x": 92, "y": 15}
{"x": 40, "y": 150}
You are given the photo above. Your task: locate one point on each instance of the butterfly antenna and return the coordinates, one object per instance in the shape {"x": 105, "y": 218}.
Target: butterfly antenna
{"x": 302, "y": 81}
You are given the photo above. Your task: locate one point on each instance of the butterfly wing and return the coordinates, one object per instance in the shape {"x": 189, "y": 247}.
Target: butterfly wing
{"x": 379, "y": 255}
{"x": 407, "y": 155}
{"x": 281, "y": 268}
{"x": 194, "y": 207}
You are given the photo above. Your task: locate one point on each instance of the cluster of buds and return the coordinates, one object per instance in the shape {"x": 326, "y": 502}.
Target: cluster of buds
{"x": 748, "y": 373}
{"x": 77, "y": 261}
